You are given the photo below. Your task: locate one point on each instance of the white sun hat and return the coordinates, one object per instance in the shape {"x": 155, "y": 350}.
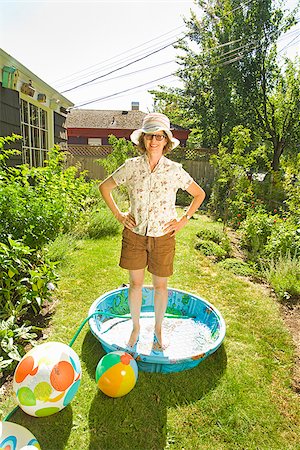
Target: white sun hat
{"x": 155, "y": 122}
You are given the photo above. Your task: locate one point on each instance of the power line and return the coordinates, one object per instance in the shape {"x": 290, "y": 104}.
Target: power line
{"x": 121, "y": 92}
{"x": 114, "y": 64}
{"x": 233, "y": 58}
{"x": 120, "y": 54}
{"x": 119, "y": 68}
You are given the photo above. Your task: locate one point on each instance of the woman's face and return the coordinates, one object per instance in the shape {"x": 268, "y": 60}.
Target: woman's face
{"x": 155, "y": 142}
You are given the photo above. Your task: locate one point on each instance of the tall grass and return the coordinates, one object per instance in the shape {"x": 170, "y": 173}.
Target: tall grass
{"x": 283, "y": 274}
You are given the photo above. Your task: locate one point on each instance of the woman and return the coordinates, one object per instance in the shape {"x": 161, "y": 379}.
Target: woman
{"x": 151, "y": 223}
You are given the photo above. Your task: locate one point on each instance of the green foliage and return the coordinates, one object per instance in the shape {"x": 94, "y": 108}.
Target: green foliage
{"x": 269, "y": 236}
{"x": 101, "y": 224}
{"x": 36, "y": 204}
{"x": 13, "y": 338}
{"x": 59, "y": 249}
{"x": 238, "y": 267}
{"x": 291, "y": 186}
{"x": 210, "y": 248}
{"x": 231, "y": 76}
{"x": 122, "y": 150}
{"x": 283, "y": 274}
{"x": 255, "y": 231}
{"x": 5, "y": 154}
{"x": 183, "y": 198}
{"x": 234, "y": 191}
{"x": 26, "y": 280}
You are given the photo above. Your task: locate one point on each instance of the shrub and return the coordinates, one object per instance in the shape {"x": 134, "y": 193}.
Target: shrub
{"x": 283, "y": 274}
{"x": 58, "y": 249}
{"x": 13, "y": 339}
{"x": 25, "y": 278}
{"x": 36, "y": 204}
{"x": 237, "y": 266}
{"x": 102, "y": 224}
{"x": 283, "y": 240}
{"x": 216, "y": 235}
{"x": 255, "y": 231}
{"x": 210, "y": 248}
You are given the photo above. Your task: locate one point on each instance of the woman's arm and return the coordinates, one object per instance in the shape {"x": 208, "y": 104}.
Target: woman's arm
{"x": 198, "y": 196}
{"x": 106, "y": 188}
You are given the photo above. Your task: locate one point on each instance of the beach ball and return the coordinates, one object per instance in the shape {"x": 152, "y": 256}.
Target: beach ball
{"x": 16, "y": 437}
{"x": 116, "y": 374}
{"x": 46, "y": 379}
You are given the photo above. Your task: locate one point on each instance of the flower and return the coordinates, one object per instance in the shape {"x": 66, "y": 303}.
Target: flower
{"x": 50, "y": 286}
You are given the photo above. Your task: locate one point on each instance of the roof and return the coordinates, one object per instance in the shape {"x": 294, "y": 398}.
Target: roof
{"x": 99, "y": 151}
{"x": 8, "y": 59}
{"x": 92, "y": 118}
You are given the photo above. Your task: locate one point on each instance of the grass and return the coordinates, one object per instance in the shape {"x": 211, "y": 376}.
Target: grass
{"x": 238, "y": 398}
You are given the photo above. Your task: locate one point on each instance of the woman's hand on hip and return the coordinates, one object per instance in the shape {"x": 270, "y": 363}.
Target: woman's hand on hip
{"x": 175, "y": 225}
{"x": 127, "y": 220}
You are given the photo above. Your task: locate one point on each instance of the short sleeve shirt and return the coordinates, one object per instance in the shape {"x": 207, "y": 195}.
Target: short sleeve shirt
{"x": 152, "y": 194}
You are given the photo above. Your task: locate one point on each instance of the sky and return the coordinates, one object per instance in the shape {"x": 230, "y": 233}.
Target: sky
{"x": 67, "y": 43}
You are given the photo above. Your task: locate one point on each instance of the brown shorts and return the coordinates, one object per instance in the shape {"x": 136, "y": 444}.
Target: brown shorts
{"x": 139, "y": 252}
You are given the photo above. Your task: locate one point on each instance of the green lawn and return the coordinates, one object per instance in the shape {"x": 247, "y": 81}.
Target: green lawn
{"x": 238, "y": 398}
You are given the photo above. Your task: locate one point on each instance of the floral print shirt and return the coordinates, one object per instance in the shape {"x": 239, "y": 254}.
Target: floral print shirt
{"x": 152, "y": 194}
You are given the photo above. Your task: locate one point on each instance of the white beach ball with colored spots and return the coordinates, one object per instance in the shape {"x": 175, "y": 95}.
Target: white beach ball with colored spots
{"x": 16, "y": 437}
{"x": 47, "y": 378}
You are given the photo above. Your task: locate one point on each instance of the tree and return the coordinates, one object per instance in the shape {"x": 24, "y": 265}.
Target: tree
{"x": 232, "y": 75}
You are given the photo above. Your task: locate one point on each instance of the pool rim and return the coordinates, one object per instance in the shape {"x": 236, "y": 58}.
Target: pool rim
{"x": 156, "y": 359}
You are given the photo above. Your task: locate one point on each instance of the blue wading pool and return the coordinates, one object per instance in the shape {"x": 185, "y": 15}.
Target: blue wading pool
{"x": 193, "y": 327}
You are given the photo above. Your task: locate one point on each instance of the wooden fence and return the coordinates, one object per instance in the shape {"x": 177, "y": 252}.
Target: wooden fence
{"x": 196, "y": 164}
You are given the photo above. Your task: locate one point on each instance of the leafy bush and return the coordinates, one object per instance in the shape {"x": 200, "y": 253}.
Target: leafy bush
{"x": 36, "y": 204}
{"x": 234, "y": 191}
{"x": 210, "y": 248}
{"x": 13, "y": 338}
{"x": 283, "y": 274}
{"x": 237, "y": 266}
{"x": 211, "y": 234}
{"x": 102, "y": 224}
{"x": 122, "y": 150}
{"x": 183, "y": 198}
{"x": 58, "y": 249}
{"x": 269, "y": 236}
{"x": 25, "y": 278}
{"x": 255, "y": 231}
{"x": 216, "y": 235}
{"x": 284, "y": 240}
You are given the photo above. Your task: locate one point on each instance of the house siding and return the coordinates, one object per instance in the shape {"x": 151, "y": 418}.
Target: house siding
{"x": 29, "y": 87}
{"x": 10, "y": 119}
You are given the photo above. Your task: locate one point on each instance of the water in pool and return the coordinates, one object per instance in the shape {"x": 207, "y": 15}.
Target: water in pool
{"x": 185, "y": 337}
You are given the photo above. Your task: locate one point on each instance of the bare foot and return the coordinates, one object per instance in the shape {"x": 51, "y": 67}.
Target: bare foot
{"x": 133, "y": 337}
{"x": 159, "y": 343}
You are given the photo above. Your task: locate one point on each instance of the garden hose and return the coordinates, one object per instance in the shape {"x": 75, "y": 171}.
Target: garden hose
{"x": 106, "y": 314}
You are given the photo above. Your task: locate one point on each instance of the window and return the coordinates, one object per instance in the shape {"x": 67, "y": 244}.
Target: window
{"x": 34, "y": 122}
{"x": 94, "y": 141}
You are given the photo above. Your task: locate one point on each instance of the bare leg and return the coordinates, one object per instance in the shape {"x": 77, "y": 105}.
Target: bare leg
{"x": 160, "y": 305}
{"x": 136, "y": 280}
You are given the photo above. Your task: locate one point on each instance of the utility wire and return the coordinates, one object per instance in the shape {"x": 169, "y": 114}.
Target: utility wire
{"x": 113, "y": 65}
{"x": 120, "y": 54}
{"x": 219, "y": 63}
{"x": 145, "y": 56}
{"x": 236, "y": 57}
{"x": 121, "y": 92}
{"x": 119, "y": 68}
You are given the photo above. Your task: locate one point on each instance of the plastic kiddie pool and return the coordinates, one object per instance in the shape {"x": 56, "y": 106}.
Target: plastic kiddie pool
{"x": 194, "y": 328}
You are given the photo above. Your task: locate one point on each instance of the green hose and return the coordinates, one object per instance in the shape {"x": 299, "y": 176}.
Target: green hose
{"x": 101, "y": 313}
{"x": 119, "y": 316}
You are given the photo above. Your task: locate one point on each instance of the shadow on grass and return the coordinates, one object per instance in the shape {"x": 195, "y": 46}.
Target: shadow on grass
{"x": 53, "y": 429}
{"x": 139, "y": 419}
